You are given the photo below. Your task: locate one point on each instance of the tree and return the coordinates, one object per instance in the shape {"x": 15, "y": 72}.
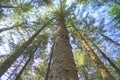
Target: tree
{"x": 31, "y": 53}
{"x": 109, "y": 39}
{"x": 5, "y": 29}
{"x": 49, "y": 63}
{"x": 8, "y": 62}
{"x": 58, "y": 22}
{"x": 114, "y": 11}
{"x": 102, "y": 69}
{"x": 105, "y": 56}
{"x": 62, "y": 66}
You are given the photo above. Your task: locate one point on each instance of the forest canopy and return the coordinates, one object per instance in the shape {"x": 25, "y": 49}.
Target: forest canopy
{"x": 59, "y": 39}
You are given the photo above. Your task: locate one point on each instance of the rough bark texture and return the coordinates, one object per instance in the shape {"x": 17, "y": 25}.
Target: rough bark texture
{"x": 102, "y": 69}
{"x": 62, "y": 66}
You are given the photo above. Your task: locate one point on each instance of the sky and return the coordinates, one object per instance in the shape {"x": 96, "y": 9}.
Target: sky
{"x": 98, "y": 14}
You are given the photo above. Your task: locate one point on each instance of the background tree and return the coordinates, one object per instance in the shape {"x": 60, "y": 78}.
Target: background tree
{"x": 21, "y": 19}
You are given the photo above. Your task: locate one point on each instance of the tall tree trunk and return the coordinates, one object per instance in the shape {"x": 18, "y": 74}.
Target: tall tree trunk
{"x": 20, "y": 73}
{"x": 62, "y": 65}
{"x": 16, "y": 68}
{"x": 31, "y": 52}
{"x": 8, "y": 6}
{"x": 5, "y": 29}
{"x": 105, "y": 56}
{"x": 106, "y": 37}
{"x": 102, "y": 69}
{"x": 49, "y": 63}
{"x": 84, "y": 71}
{"x": 8, "y": 62}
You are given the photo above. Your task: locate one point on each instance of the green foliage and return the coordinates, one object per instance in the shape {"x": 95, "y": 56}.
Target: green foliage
{"x": 85, "y": 2}
{"x": 26, "y": 24}
{"x": 1, "y": 13}
{"x": 1, "y": 41}
{"x": 105, "y": 0}
{"x": 114, "y": 10}
{"x": 82, "y": 0}
{"x": 26, "y": 74}
{"x": 40, "y": 71}
{"x": 118, "y": 61}
{"x": 79, "y": 58}
{"x": 48, "y": 2}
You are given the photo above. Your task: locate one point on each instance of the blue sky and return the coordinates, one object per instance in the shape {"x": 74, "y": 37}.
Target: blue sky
{"x": 98, "y": 14}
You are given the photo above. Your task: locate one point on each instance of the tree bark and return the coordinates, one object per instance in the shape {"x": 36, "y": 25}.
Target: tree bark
{"x": 16, "y": 68}
{"x": 9, "y": 28}
{"x": 49, "y": 63}
{"x": 8, "y": 62}
{"x": 31, "y": 52}
{"x": 106, "y": 57}
{"x": 106, "y": 37}
{"x": 20, "y": 73}
{"x": 5, "y": 29}
{"x": 102, "y": 69}
{"x": 62, "y": 65}
{"x": 8, "y": 6}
